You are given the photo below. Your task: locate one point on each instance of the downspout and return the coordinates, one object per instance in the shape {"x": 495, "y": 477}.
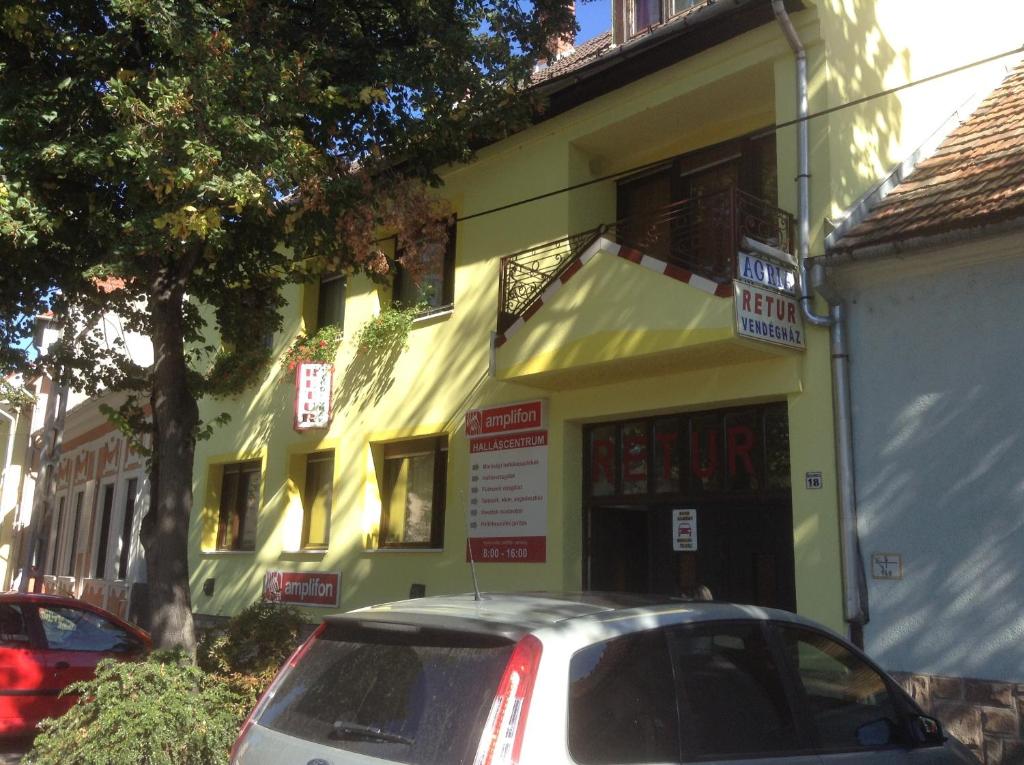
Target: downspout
{"x": 855, "y": 597}
{"x": 4, "y": 477}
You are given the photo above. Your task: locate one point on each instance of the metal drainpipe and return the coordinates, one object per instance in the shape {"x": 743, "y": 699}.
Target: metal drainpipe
{"x": 855, "y": 598}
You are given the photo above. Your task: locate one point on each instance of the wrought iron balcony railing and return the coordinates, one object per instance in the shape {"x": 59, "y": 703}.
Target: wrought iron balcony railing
{"x": 701, "y": 234}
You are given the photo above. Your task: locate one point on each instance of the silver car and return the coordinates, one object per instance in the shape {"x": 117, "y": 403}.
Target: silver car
{"x": 588, "y": 679}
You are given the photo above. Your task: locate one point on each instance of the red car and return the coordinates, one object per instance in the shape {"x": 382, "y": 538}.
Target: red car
{"x": 48, "y": 642}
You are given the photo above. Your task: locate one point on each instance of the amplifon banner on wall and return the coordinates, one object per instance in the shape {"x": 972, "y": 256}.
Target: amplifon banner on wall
{"x": 313, "y": 388}
{"x": 508, "y": 483}
{"x": 304, "y": 589}
{"x": 509, "y": 418}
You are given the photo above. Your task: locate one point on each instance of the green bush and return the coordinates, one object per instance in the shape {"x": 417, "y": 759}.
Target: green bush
{"x": 161, "y": 711}
{"x": 255, "y": 643}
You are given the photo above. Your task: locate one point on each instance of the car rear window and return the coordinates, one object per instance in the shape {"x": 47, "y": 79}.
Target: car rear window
{"x": 398, "y": 693}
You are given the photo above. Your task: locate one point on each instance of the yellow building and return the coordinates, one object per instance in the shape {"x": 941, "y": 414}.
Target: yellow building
{"x": 622, "y": 273}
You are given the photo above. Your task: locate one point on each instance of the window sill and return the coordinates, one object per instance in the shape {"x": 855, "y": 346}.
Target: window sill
{"x": 225, "y": 553}
{"x": 302, "y": 555}
{"x": 402, "y": 550}
{"x": 434, "y": 314}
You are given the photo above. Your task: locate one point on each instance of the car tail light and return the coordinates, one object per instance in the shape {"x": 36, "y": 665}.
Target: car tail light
{"x": 502, "y": 739}
{"x": 265, "y": 699}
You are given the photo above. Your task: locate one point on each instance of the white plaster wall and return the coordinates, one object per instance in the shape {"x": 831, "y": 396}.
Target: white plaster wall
{"x": 938, "y": 407}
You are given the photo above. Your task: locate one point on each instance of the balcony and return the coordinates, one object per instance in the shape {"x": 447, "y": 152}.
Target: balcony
{"x": 701, "y": 235}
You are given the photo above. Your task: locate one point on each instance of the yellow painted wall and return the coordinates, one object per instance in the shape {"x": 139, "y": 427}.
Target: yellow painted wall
{"x": 741, "y": 86}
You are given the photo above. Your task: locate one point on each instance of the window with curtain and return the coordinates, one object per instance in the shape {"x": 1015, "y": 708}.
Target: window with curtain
{"x": 413, "y": 493}
{"x": 316, "y": 500}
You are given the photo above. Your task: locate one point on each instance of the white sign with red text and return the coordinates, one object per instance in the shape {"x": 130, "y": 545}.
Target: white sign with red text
{"x": 768, "y": 316}
{"x": 508, "y": 484}
{"x": 313, "y": 387}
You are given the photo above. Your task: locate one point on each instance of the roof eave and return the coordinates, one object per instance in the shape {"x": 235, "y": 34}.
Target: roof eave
{"x": 720, "y": 20}
{"x": 847, "y": 255}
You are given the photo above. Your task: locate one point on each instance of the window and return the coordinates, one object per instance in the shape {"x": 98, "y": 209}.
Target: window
{"x": 680, "y": 212}
{"x": 126, "y": 528}
{"x": 74, "y": 629}
{"x": 678, "y": 6}
{"x": 429, "y": 276}
{"x": 73, "y": 544}
{"x": 419, "y": 696}
{"x": 646, "y": 13}
{"x": 13, "y": 628}
{"x": 330, "y": 306}
{"x": 732, "y": 699}
{"x": 622, "y": 706}
{"x": 106, "y": 511}
{"x": 316, "y": 500}
{"x": 239, "y": 505}
{"x": 846, "y": 697}
{"x": 412, "y": 500}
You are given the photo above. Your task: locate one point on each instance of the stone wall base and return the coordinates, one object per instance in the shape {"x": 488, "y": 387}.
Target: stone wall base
{"x": 988, "y": 716}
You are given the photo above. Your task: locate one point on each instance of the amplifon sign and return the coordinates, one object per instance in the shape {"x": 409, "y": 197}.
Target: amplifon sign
{"x": 510, "y": 418}
{"x": 313, "y": 389}
{"x": 303, "y": 589}
{"x": 508, "y": 483}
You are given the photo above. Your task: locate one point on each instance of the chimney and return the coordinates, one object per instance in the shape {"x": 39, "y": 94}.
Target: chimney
{"x": 561, "y": 46}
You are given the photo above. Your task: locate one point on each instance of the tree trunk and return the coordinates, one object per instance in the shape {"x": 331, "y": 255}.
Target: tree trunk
{"x": 175, "y": 418}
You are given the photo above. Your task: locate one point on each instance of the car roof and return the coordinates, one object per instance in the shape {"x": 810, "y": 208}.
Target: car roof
{"x": 516, "y": 614}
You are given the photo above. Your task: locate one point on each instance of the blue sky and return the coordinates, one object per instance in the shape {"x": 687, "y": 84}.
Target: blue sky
{"x": 594, "y": 17}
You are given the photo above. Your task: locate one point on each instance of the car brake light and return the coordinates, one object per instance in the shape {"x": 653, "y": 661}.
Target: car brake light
{"x": 502, "y": 739}
{"x": 265, "y": 699}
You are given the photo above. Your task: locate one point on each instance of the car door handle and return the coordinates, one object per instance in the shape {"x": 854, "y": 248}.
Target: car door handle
{"x": 62, "y": 665}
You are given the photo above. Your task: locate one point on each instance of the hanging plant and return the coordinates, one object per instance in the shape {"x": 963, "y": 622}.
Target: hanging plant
{"x": 236, "y": 369}
{"x": 320, "y": 347}
{"x": 15, "y": 395}
{"x": 388, "y": 330}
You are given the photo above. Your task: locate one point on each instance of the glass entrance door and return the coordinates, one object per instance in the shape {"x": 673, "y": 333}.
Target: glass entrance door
{"x": 744, "y": 552}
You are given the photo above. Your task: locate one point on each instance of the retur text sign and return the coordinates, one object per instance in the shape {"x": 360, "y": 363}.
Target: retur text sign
{"x": 313, "y": 389}
{"x": 771, "y": 317}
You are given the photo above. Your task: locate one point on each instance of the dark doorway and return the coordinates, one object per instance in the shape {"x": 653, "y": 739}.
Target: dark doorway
{"x": 744, "y": 553}
{"x": 726, "y": 470}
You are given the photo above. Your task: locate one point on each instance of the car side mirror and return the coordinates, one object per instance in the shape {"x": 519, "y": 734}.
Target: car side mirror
{"x": 876, "y": 733}
{"x": 926, "y": 730}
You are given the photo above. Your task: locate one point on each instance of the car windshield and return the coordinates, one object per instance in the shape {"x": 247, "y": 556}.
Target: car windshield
{"x": 407, "y": 696}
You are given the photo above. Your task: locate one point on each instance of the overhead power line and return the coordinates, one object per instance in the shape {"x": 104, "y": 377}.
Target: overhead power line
{"x": 775, "y": 128}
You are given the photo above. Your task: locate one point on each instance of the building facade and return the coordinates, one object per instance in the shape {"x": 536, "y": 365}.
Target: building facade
{"x": 620, "y": 367}
{"x": 931, "y": 274}
{"x": 88, "y": 545}
{"x": 78, "y": 532}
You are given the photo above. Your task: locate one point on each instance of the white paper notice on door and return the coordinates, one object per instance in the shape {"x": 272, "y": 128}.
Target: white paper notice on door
{"x": 684, "y": 530}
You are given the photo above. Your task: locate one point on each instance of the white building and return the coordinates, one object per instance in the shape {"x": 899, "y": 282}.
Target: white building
{"x": 932, "y": 272}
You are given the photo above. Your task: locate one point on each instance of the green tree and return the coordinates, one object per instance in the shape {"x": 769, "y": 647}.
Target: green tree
{"x": 204, "y": 152}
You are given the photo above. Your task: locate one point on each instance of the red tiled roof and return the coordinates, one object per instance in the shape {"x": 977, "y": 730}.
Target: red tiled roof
{"x": 579, "y": 58}
{"x": 975, "y": 178}
{"x": 593, "y": 49}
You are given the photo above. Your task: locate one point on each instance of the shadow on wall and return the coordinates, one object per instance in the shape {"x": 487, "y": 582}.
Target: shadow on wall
{"x": 940, "y": 463}
{"x": 861, "y": 62}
